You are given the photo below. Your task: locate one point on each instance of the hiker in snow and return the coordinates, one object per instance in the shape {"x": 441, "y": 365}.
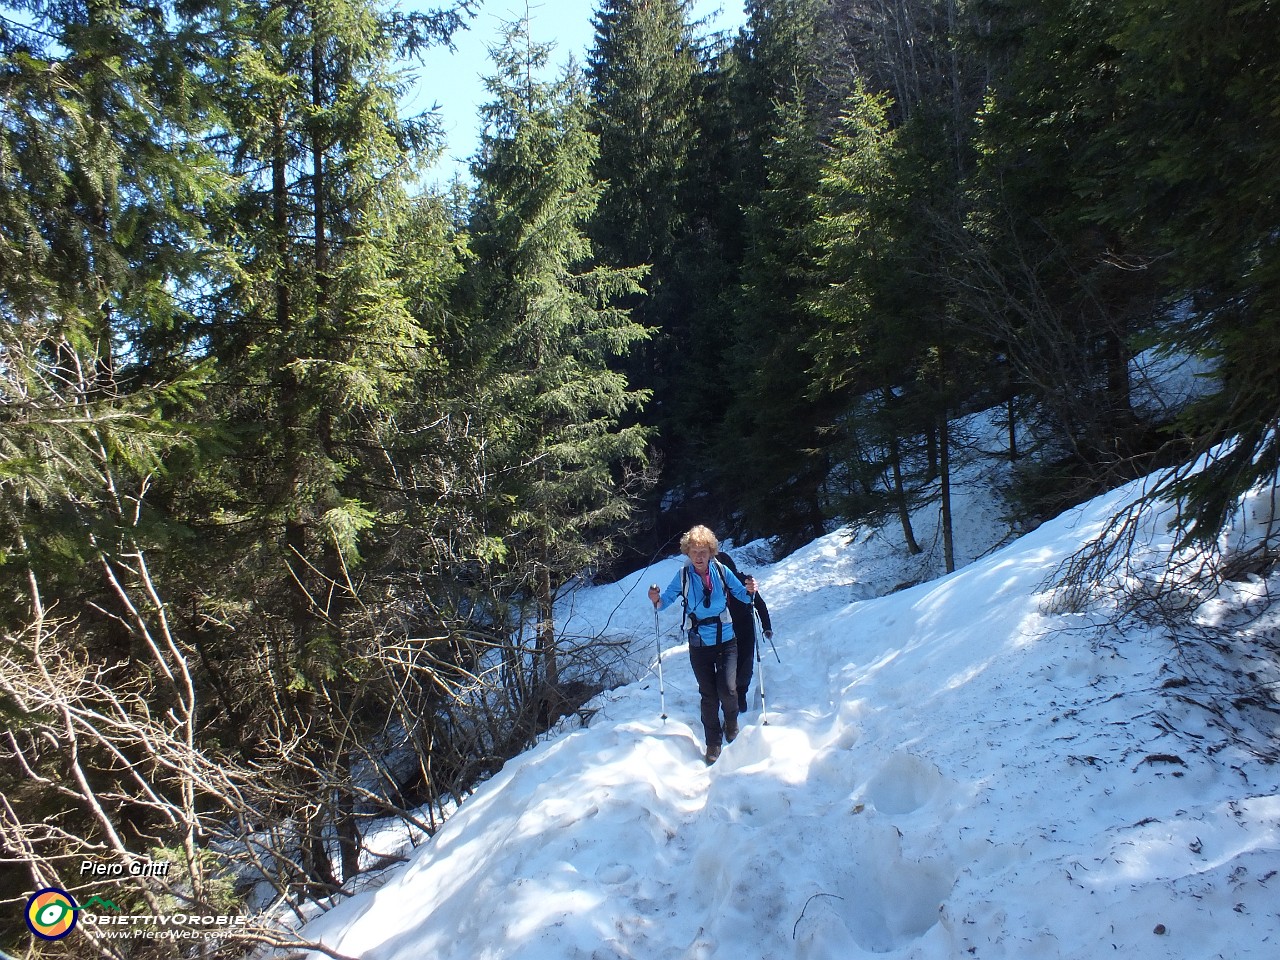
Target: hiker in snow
{"x": 744, "y": 628}
{"x": 702, "y": 585}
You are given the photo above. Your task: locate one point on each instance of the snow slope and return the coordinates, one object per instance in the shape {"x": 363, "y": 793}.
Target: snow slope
{"x": 947, "y": 771}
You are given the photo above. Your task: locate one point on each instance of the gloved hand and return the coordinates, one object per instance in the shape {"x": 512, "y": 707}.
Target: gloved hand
{"x": 768, "y": 634}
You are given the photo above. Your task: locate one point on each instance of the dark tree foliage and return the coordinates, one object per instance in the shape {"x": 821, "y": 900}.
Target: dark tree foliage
{"x": 1202, "y": 142}
{"x": 1062, "y": 292}
{"x": 642, "y": 73}
{"x": 296, "y": 458}
{"x": 774, "y": 449}
{"x": 545, "y": 330}
{"x": 207, "y": 339}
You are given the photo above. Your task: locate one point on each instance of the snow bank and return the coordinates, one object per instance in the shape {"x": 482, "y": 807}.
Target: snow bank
{"x": 947, "y": 771}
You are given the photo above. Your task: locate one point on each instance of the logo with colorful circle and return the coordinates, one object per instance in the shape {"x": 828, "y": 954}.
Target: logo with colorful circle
{"x": 51, "y": 913}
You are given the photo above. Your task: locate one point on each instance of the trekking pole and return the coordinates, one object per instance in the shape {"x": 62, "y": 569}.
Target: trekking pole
{"x": 764, "y": 703}
{"x": 770, "y": 639}
{"x": 657, "y": 640}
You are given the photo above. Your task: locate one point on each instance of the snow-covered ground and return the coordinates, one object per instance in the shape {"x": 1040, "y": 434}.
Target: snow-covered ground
{"x": 952, "y": 770}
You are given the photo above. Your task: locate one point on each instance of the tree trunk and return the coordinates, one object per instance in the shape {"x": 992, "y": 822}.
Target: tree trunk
{"x": 348, "y": 830}
{"x": 1013, "y": 430}
{"x": 546, "y": 630}
{"x": 899, "y": 491}
{"x": 944, "y": 459}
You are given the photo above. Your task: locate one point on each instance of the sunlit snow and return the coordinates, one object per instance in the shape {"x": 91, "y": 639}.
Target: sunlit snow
{"x": 955, "y": 769}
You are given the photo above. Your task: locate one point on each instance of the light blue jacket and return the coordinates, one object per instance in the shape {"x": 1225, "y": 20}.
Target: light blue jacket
{"x": 715, "y": 611}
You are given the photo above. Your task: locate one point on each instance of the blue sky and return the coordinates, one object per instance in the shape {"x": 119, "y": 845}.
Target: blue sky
{"x": 453, "y": 79}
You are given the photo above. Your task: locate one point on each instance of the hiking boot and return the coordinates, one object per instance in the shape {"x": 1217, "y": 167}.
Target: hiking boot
{"x": 713, "y": 753}
{"x": 731, "y": 729}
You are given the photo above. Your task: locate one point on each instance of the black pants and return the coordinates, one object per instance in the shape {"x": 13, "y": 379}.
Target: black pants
{"x": 746, "y": 654}
{"x": 716, "y": 670}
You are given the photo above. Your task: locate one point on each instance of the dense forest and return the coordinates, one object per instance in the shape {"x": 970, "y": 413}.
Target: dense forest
{"x": 297, "y": 454}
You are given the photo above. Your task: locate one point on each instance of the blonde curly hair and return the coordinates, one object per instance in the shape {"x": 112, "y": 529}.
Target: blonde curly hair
{"x": 699, "y": 536}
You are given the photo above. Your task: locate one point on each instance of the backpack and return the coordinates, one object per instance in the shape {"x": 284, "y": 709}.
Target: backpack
{"x": 736, "y": 607}
{"x": 691, "y": 621}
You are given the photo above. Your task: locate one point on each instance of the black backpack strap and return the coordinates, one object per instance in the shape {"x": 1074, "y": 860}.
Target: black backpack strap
{"x": 724, "y": 585}
{"x": 684, "y": 591}
{"x": 692, "y": 619}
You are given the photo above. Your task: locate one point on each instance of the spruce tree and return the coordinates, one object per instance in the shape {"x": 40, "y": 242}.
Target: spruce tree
{"x": 1058, "y": 285}
{"x": 1195, "y": 187}
{"x": 318, "y": 348}
{"x": 545, "y": 334}
{"x": 765, "y": 107}
{"x": 107, "y": 180}
{"x": 868, "y": 347}
{"x": 774, "y": 446}
{"x": 642, "y": 73}
{"x": 891, "y": 339}
{"x": 106, "y": 185}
